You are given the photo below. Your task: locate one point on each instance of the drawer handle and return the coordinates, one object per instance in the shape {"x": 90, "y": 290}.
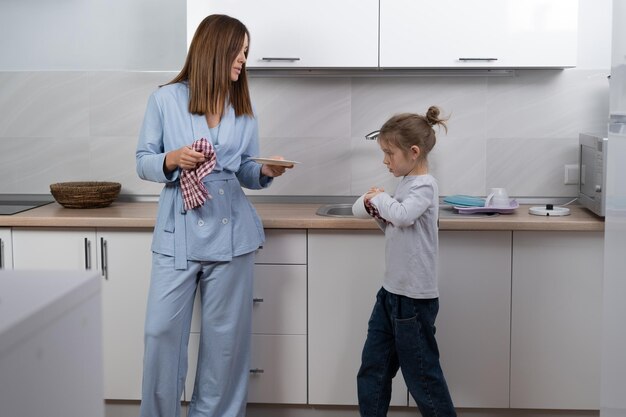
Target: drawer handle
{"x": 478, "y": 59}
{"x": 104, "y": 258}
{"x": 87, "y": 254}
{"x": 256, "y": 371}
{"x": 257, "y": 300}
{"x": 277, "y": 58}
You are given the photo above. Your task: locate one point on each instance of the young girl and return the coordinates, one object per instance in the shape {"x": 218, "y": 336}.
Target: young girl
{"x": 401, "y": 329}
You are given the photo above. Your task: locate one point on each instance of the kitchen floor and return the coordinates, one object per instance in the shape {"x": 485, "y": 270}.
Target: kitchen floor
{"x": 131, "y": 409}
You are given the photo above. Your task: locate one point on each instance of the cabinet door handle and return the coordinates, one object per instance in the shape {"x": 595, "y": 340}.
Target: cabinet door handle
{"x": 1, "y": 254}
{"x": 257, "y": 300}
{"x": 104, "y": 258}
{"x": 256, "y": 371}
{"x": 269, "y": 59}
{"x": 478, "y": 59}
{"x": 87, "y": 254}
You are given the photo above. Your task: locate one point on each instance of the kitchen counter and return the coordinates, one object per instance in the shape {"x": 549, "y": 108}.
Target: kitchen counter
{"x": 292, "y": 216}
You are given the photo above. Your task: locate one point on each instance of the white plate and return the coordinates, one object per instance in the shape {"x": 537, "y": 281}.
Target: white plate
{"x": 490, "y": 209}
{"x": 270, "y": 161}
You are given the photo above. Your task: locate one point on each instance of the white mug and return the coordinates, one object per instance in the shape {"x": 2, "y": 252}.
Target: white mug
{"x": 358, "y": 209}
{"x": 498, "y": 197}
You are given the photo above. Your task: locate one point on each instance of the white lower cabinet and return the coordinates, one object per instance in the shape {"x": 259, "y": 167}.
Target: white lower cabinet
{"x": 123, "y": 258}
{"x": 345, "y": 272}
{"x": 53, "y": 248}
{"x": 283, "y": 247}
{"x": 127, "y": 266}
{"x": 279, "y": 304}
{"x": 556, "y": 316}
{"x": 6, "y": 248}
{"x": 473, "y": 325}
{"x": 278, "y": 369}
{"x": 518, "y": 324}
{"x": 278, "y": 372}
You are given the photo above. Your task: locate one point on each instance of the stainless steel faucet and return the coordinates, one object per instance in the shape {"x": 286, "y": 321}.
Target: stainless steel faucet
{"x": 373, "y": 135}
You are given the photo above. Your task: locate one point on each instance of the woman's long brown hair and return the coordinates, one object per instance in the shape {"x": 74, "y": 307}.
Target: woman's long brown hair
{"x": 214, "y": 47}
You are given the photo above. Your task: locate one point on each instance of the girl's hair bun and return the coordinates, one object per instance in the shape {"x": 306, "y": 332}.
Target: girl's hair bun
{"x": 432, "y": 117}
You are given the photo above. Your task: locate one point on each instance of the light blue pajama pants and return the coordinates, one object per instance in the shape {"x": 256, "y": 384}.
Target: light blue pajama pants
{"x": 224, "y": 357}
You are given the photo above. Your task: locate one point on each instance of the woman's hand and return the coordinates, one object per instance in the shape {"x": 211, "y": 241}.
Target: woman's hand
{"x": 183, "y": 158}
{"x": 274, "y": 170}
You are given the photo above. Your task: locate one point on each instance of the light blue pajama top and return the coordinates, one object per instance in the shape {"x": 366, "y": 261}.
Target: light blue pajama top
{"x": 226, "y": 225}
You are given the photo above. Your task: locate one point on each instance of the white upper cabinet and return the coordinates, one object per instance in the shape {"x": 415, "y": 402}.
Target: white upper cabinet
{"x": 295, "y": 34}
{"x": 371, "y": 34}
{"x": 478, "y": 33}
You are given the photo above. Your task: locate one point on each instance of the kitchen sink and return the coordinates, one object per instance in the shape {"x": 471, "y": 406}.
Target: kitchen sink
{"x": 335, "y": 210}
{"x": 445, "y": 212}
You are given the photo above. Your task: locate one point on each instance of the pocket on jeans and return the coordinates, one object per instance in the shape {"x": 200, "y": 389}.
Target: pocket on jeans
{"x": 408, "y": 333}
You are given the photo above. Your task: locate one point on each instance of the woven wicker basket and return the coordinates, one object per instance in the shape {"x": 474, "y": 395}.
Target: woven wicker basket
{"x": 85, "y": 194}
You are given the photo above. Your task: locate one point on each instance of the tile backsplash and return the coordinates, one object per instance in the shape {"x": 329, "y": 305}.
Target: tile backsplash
{"x": 517, "y": 132}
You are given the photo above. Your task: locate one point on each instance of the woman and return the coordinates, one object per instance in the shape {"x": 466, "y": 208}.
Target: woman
{"x": 200, "y": 131}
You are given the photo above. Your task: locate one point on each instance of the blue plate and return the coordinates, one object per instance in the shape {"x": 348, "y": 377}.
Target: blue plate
{"x": 464, "y": 200}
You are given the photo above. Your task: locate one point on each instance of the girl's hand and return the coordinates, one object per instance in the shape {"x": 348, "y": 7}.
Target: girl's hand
{"x": 183, "y": 158}
{"x": 274, "y": 170}
{"x": 373, "y": 192}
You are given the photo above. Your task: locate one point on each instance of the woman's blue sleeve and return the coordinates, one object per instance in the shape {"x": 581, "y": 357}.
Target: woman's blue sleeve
{"x": 249, "y": 173}
{"x": 150, "y": 154}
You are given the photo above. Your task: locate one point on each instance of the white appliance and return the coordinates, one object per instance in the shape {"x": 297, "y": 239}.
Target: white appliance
{"x": 613, "y": 381}
{"x": 592, "y": 158}
{"x": 51, "y": 344}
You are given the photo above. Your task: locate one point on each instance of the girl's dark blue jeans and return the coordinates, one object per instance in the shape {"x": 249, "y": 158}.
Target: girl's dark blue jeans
{"x": 401, "y": 334}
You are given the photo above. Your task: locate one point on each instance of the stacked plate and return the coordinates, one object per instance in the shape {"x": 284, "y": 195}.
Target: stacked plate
{"x": 468, "y": 204}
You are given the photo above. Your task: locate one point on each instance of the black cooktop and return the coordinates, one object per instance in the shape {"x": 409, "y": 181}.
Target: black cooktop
{"x": 8, "y": 207}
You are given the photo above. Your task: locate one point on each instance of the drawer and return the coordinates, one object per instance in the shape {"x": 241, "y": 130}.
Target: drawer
{"x": 279, "y": 299}
{"x": 283, "y": 246}
{"x": 278, "y": 371}
{"x": 283, "y": 309}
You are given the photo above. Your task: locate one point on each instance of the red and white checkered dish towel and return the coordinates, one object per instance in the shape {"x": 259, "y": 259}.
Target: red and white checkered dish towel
{"x": 373, "y": 211}
{"x": 194, "y": 191}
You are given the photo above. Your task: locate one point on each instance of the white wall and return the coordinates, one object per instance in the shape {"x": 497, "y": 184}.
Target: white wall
{"x": 517, "y": 132}
{"x": 42, "y": 35}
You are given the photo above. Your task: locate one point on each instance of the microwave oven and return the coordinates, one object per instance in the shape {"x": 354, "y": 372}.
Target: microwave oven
{"x": 592, "y": 160}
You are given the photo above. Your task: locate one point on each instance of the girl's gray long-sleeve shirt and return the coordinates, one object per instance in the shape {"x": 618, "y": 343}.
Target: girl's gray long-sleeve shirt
{"x": 411, "y": 236}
